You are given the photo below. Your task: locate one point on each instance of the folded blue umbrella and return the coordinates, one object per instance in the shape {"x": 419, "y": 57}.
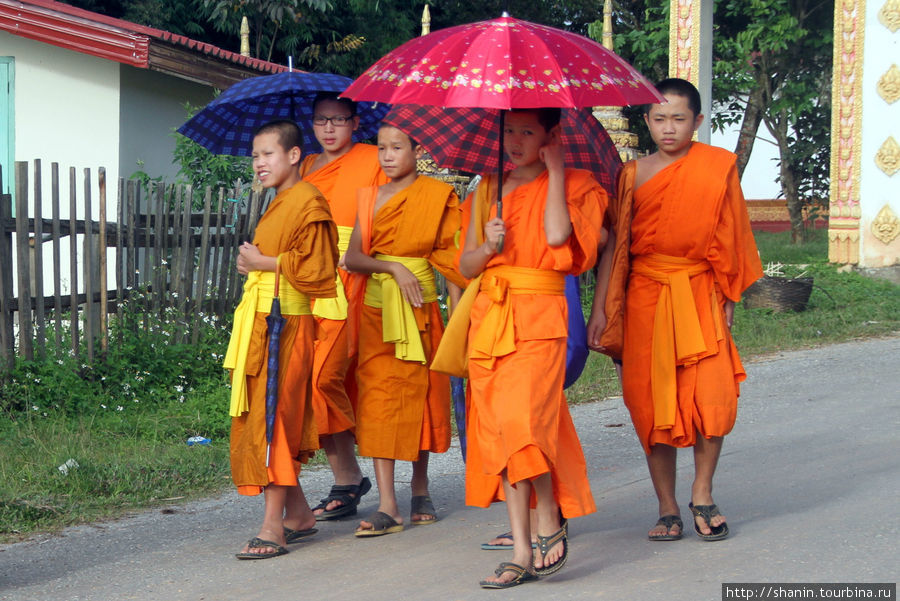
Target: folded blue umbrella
{"x": 576, "y": 343}
{"x": 226, "y": 125}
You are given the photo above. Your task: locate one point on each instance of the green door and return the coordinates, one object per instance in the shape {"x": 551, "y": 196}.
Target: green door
{"x": 7, "y": 123}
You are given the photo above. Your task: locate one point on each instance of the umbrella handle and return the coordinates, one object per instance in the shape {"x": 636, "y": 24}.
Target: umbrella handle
{"x": 500, "y": 177}
{"x": 277, "y": 275}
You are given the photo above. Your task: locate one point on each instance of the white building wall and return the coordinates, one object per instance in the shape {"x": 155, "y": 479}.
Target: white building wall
{"x": 151, "y": 107}
{"x": 66, "y": 111}
{"x": 67, "y": 107}
{"x": 880, "y": 122}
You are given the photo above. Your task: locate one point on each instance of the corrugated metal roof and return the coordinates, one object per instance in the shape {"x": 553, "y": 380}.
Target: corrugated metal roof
{"x": 91, "y": 33}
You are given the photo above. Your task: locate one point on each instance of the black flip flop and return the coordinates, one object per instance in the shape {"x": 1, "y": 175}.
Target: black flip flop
{"x": 259, "y": 543}
{"x": 668, "y": 521}
{"x": 522, "y": 576}
{"x": 708, "y": 512}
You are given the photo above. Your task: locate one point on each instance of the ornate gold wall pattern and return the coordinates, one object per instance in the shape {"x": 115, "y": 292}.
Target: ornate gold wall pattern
{"x": 889, "y": 85}
{"x": 889, "y": 15}
{"x": 846, "y": 139}
{"x": 886, "y": 226}
{"x": 888, "y": 156}
{"x": 684, "y": 40}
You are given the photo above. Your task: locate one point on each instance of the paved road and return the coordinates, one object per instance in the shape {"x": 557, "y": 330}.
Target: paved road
{"x": 809, "y": 480}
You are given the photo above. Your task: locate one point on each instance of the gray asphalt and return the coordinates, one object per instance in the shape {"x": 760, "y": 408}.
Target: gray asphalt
{"x": 809, "y": 481}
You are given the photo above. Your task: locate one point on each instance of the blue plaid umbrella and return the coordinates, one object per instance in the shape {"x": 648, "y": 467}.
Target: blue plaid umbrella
{"x": 226, "y": 125}
{"x": 275, "y": 323}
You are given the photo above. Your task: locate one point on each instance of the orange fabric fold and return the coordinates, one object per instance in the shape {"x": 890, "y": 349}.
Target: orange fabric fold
{"x": 403, "y": 406}
{"x": 334, "y": 376}
{"x": 677, "y": 336}
{"x": 517, "y": 419}
{"x": 688, "y": 238}
{"x": 497, "y": 335}
{"x": 297, "y": 227}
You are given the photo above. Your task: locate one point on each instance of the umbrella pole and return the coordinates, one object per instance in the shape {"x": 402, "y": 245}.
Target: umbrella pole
{"x": 500, "y": 176}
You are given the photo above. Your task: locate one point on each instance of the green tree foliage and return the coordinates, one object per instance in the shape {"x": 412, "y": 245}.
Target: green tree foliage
{"x": 184, "y": 17}
{"x": 268, "y": 19}
{"x": 641, "y": 37}
{"x": 773, "y": 64}
{"x": 200, "y": 168}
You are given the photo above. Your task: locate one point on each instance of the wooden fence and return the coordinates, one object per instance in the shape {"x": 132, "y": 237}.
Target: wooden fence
{"x": 172, "y": 250}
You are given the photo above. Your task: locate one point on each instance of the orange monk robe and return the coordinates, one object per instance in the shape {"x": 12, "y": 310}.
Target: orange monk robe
{"x": 404, "y": 407}
{"x": 334, "y": 357}
{"x": 297, "y": 227}
{"x": 518, "y": 419}
{"x": 692, "y": 210}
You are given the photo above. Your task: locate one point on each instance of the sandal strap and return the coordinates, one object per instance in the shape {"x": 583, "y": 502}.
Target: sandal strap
{"x": 342, "y": 492}
{"x": 670, "y": 520}
{"x": 545, "y": 542}
{"x": 508, "y": 566}
{"x": 707, "y": 512}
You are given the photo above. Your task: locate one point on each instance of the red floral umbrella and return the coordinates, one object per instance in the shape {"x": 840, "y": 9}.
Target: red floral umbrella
{"x": 503, "y": 63}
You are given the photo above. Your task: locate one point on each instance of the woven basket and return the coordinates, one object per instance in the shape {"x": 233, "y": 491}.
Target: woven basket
{"x": 778, "y": 294}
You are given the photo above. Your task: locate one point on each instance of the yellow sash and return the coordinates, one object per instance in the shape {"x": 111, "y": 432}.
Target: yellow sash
{"x": 335, "y": 308}
{"x": 496, "y": 335}
{"x": 398, "y": 322}
{"x": 259, "y": 289}
{"x": 675, "y": 341}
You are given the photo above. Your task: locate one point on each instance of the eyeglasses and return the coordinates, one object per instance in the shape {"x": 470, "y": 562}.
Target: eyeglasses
{"x": 336, "y": 120}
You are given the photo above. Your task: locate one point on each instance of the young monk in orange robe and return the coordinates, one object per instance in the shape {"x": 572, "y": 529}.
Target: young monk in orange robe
{"x": 404, "y": 229}
{"x": 338, "y": 171}
{"x": 522, "y": 443}
{"x": 297, "y": 236}
{"x": 681, "y": 219}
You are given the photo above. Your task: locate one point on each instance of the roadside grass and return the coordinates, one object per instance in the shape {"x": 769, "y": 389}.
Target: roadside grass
{"x": 126, "y": 421}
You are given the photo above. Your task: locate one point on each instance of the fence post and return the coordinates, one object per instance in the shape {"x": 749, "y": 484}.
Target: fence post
{"x": 22, "y": 263}
{"x": 101, "y": 243}
{"x": 89, "y": 279}
{"x": 7, "y": 225}
{"x": 37, "y": 263}
{"x": 73, "y": 263}
{"x": 57, "y": 263}
{"x": 120, "y": 257}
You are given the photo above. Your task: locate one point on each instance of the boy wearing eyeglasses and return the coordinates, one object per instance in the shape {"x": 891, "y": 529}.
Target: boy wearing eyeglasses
{"x": 338, "y": 171}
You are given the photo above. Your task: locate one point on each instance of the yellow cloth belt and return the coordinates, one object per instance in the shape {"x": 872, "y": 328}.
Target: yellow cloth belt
{"x": 259, "y": 289}
{"x": 335, "y": 308}
{"x": 398, "y": 322}
{"x": 496, "y": 336}
{"x": 675, "y": 341}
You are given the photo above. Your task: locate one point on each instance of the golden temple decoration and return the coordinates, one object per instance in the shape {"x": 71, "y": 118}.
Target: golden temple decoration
{"x": 245, "y": 37}
{"x": 888, "y": 156}
{"x": 889, "y": 85}
{"x": 886, "y": 226}
{"x": 426, "y": 20}
{"x": 846, "y": 138}
{"x": 684, "y": 40}
{"x": 612, "y": 118}
{"x": 889, "y": 15}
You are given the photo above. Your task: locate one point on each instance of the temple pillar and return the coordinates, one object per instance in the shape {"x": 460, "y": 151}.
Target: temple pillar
{"x": 690, "y": 50}
{"x": 863, "y": 226}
